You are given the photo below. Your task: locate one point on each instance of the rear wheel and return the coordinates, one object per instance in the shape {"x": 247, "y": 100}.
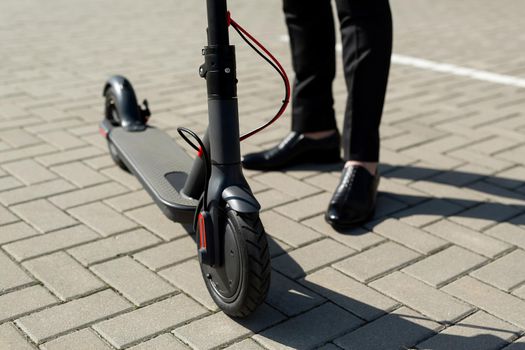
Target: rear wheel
{"x": 241, "y": 284}
{"x": 112, "y": 114}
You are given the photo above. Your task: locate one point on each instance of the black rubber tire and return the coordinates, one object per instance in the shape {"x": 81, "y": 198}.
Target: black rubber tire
{"x": 112, "y": 114}
{"x": 255, "y": 272}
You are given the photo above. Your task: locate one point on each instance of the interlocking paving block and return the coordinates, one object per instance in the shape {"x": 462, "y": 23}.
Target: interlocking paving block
{"x": 349, "y": 294}
{"x": 113, "y": 246}
{"x": 490, "y": 299}
{"x": 87, "y": 195}
{"x": 36, "y": 191}
{"x": 133, "y": 280}
{"x": 356, "y": 238}
{"x": 60, "y": 319}
{"x": 303, "y": 260}
{"x": 16, "y": 231}
{"x": 246, "y": 344}
{"x": 26, "y": 152}
{"x": 310, "y": 329}
{"x": 102, "y": 218}
{"x": 63, "y": 275}
{"x": 519, "y": 292}
{"x": 512, "y": 234}
{"x": 79, "y": 174}
{"x": 289, "y": 297}
{"x": 23, "y": 301}
{"x": 485, "y": 215}
{"x": 428, "y": 212}
{"x": 287, "y": 230}
{"x": 152, "y": 219}
{"x": 62, "y": 139}
{"x": 29, "y": 171}
{"x": 272, "y": 198}
{"x": 167, "y": 254}
{"x": 221, "y": 329}
{"x": 83, "y": 339}
{"x": 11, "y": 339}
{"x": 69, "y": 156}
{"x": 376, "y": 261}
{"x": 50, "y": 242}
{"x": 129, "y": 201}
{"x": 18, "y": 138}
{"x": 467, "y": 238}
{"x": 401, "y": 329}
{"x": 11, "y": 275}
{"x": 43, "y": 215}
{"x": 9, "y": 182}
{"x": 287, "y": 184}
{"x": 306, "y": 207}
{"x": 162, "y": 342}
{"x": 479, "y": 331}
{"x": 407, "y": 235}
{"x": 421, "y": 297}
{"x": 148, "y": 321}
{"x": 506, "y": 272}
{"x": 188, "y": 277}
{"x": 6, "y": 216}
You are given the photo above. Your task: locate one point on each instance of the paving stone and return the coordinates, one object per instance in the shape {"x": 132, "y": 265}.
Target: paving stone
{"x": 485, "y": 215}
{"x": 497, "y": 194}
{"x": 162, "y": 342}
{"x": 154, "y": 220}
{"x": 480, "y": 331}
{"x": 12, "y": 339}
{"x": 246, "y": 344}
{"x": 84, "y": 339}
{"x": 11, "y": 276}
{"x": 509, "y": 233}
{"x": 401, "y": 192}
{"x": 464, "y": 197}
{"x": 60, "y": 319}
{"x": 62, "y": 139}
{"x": 386, "y": 206}
{"x": 43, "y": 215}
{"x": 157, "y": 318}
{"x": 289, "y": 297}
{"x": 376, "y": 261}
{"x": 420, "y": 296}
{"x": 349, "y": 294}
{"x": 273, "y": 198}
{"x": 428, "y": 212}
{"x": 188, "y": 277}
{"x": 221, "y": 329}
{"x": 102, "y": 218}
{"x": 467, "y": 238}
{"x": 16, "y": 231}
{"x": 129, "y": 201}
{"x": 401, "y": 329}
{"x": 50, "y": 242}
{"x": 87, "y": 195}
{"x": 490, "y": 299}
{"x": 444, "y": 266}
{"x": 310, "y": 329}
{"x": 113, "y": 246}
{"x": 23, "y": 301}
{"x": 8, "y": 183}
{"x": 409, "y": 236}
{"x": 287, "y": 184}
{"x": 167, "y": 254}
{"x": 6, "y": 216}
{"x": 65, "y": 277}
{"x": 305, "y": 208}
{"x": 29, "y": 171}
{"x": 288, "y": 230}
{"x": 26, "y": 152}
{"x": 79, "y": 174}
{"x": 505, "y": 273}
{"x": 133, "y": 280}
{"x": 356, "y": 238}
{"x": 303, "y": 260}
{"x": 68, "y": 156}
{"x": 37, "y": 191}
{"x": 18, "y": 138}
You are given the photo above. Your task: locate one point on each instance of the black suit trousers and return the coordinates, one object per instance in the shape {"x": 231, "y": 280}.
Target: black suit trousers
{"x": 366, "y": 32}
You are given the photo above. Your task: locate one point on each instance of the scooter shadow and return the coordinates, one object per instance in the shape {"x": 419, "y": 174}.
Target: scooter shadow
{"x": 367, "y": 327}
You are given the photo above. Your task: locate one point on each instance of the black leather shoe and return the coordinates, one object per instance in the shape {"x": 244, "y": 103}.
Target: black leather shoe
{"x": 354, "y": 199}
{"x": 295, "y": 149}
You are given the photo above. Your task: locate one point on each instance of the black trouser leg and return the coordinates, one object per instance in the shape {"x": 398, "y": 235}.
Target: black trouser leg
{"x": 312, "y": 38}
{"x": 366, "y": 29}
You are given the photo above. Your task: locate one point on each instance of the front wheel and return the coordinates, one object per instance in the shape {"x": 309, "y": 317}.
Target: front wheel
{"x": 241, "y": 283}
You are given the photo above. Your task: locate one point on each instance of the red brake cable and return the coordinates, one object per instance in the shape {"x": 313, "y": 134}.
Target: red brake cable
{"x": 243, "y": 33}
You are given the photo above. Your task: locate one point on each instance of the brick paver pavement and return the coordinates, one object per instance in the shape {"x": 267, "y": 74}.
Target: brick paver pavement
{"x": 87, "y": 261}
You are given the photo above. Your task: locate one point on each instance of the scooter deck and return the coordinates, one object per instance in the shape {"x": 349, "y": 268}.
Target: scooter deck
{"x": 160, "y": 165}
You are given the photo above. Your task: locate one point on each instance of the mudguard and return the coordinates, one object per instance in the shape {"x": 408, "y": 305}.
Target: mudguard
{"x": 240, "y": 200}
{"x": 126, "y": 103}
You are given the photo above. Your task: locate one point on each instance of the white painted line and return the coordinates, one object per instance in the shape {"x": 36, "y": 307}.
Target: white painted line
{"x": 447, "y": 68}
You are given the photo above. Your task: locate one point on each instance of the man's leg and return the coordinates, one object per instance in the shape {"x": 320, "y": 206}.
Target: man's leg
{"x": 314, "y": 136}
{"x": 366, "y": 30}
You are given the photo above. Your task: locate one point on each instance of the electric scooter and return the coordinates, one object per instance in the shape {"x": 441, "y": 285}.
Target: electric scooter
{"x": 209, "y": 191}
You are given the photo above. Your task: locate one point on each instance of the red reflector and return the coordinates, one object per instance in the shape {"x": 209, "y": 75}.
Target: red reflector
{"x": 202, "y": 232}
{"x": 102, "y": 131}
{"x": 199, "y": 154}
